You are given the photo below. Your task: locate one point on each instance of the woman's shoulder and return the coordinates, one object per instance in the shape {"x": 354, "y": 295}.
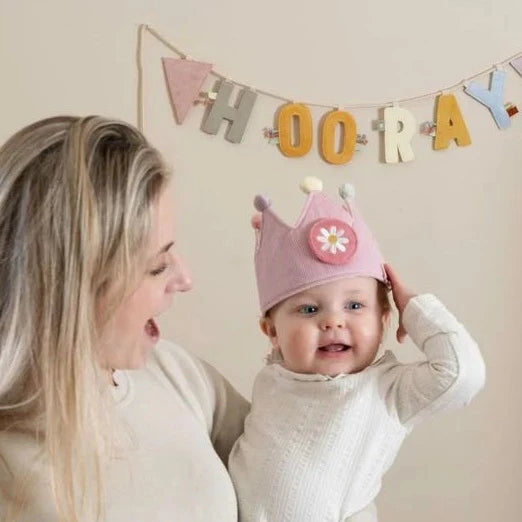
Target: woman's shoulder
{"x": 205, "y": 389}
{"x": 188, "y": 375}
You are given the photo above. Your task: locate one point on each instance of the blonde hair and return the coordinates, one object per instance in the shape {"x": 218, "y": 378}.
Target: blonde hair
{"x": 76, "y": 197}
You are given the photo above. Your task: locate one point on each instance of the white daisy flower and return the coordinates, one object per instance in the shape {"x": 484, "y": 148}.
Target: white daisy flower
{"x": 333, "y": 240}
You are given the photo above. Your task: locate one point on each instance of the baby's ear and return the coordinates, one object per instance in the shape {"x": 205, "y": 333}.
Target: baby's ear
{"x": 267, "y": 327}
{"x": 385, "y": 322}
{"x": 386, "y": 318}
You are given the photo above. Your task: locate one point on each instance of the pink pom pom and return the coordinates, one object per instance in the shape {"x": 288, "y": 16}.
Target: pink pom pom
{"x": 256, "y": 221}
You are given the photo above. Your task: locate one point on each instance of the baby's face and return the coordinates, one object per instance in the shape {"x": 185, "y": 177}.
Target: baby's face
{"x": 332, "y": 328}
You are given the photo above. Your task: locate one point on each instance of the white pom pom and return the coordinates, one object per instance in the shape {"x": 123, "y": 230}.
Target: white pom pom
{"x": 311, "y": 184}
{"x": 347, "y": 191}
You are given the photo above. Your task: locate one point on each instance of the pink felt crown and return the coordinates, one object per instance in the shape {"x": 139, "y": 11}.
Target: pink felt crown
{"x": 329, "y": 241}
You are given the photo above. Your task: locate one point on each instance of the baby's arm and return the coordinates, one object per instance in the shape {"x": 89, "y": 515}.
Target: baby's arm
{"x": 454, "y": 371}
{"x": 452, "y": 374}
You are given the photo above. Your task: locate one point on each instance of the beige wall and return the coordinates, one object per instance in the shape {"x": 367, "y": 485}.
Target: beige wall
{"x": 449, "y": 221}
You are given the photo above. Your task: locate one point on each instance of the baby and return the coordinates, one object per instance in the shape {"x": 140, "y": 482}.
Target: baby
{"x": 328, "y": 417}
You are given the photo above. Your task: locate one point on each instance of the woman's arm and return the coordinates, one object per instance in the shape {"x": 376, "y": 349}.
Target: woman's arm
{"x": 230, "y": 410}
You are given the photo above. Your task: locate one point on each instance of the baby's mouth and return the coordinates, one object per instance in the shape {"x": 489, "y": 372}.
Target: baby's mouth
{"x": 335, "y": 347}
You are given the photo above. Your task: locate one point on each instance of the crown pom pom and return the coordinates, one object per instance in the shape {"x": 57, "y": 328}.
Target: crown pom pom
{"x": 347, "y": 191}
{"x": 256, "y": 221}
{"x": 311, "y": 184}
{"x": 261, "y": 203}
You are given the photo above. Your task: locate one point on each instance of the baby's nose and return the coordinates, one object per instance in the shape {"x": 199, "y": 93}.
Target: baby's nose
{"x": 332, "y": 322}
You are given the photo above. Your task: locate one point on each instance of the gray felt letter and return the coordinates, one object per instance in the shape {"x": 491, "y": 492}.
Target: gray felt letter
{"x": 238, "y": 116}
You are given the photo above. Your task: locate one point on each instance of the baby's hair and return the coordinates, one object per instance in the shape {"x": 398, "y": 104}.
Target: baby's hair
{"x": 382, "y": 297}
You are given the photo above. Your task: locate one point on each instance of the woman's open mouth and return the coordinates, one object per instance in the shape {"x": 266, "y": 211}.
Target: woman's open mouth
{"x": 152, "y": 330}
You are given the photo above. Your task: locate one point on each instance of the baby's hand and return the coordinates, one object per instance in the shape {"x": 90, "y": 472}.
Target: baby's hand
{"x": 401, "y": 296}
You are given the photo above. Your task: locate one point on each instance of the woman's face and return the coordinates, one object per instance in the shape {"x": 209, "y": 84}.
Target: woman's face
{"x": 133, "y": 332}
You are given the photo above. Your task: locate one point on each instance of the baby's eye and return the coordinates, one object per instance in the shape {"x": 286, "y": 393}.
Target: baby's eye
{"x": 354, "y": 305}
{"x": 307, "y": 309}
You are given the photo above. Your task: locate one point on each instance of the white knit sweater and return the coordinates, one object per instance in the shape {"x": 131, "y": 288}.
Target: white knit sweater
{"x": 315, "y": 448}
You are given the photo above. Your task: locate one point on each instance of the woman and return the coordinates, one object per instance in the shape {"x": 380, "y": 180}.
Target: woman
{"x": 87, "y": 260}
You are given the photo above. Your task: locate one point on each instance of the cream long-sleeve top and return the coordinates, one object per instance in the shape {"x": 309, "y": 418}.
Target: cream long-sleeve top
{"x": 315, "y": 448}
{"x": 183, "y": 418}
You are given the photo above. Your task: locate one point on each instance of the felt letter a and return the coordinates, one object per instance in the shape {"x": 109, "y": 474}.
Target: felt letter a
{"x": 450, "y": 123}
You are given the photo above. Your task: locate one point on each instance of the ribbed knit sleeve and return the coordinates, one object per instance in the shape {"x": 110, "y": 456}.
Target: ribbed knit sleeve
{"x": 452, "y": 374}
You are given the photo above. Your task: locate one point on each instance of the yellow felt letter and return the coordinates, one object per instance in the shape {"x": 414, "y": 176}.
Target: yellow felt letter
{"x": 330, "y": 123}
{"x": 398, "y": 141}
{"x": 304, "y": 126}
{"x": 450, "y": 123}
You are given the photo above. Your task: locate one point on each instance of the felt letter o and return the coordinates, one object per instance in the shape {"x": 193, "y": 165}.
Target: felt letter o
{"x": 304, "y": 125}
{"x": 329, "y": 126}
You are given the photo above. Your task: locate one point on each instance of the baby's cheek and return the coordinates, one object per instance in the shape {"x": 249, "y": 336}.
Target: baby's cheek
{"x": 295, "y": 344}
{"x": 370, "y": 331}
{"x": 301, "y": 336}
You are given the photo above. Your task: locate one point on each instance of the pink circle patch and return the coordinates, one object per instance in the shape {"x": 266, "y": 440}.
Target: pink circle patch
{"x": 332, "y": 241}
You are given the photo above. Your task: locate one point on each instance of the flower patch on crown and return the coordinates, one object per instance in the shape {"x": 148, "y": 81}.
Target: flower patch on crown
{"x": 332, "y": 241}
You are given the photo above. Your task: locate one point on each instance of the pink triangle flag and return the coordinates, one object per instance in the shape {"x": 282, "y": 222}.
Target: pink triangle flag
{"x": 184, "y": 80}
{"x": 517, "y": 65}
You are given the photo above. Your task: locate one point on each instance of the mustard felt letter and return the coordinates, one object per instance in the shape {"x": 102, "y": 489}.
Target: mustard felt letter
{"x": 450, "y": 123}
{"x": 332, "y": 121}
{"x": 304, "y": 126}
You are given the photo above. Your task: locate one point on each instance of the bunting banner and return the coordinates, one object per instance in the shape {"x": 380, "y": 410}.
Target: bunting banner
{"x": 294, "y": 132}
{"x": 517, "y": 65}
{"x": 184, "y": 80}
